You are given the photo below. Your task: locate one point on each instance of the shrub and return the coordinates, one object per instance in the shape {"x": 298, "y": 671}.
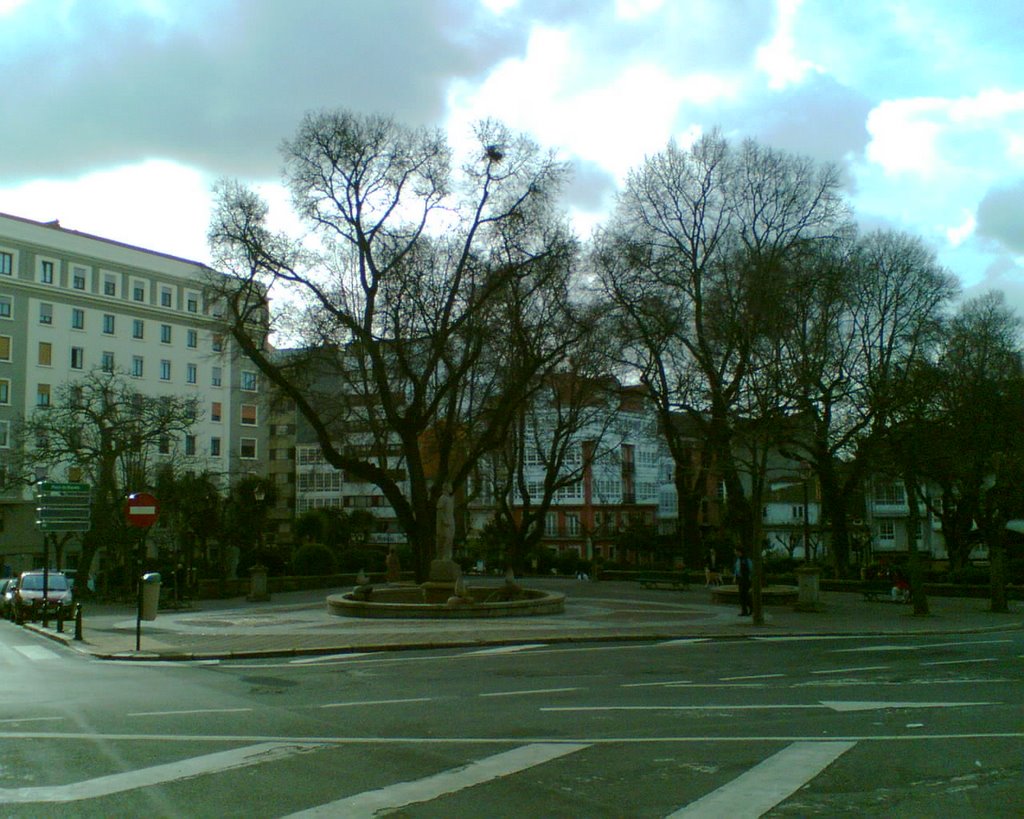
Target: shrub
{"x": 313, "y": 560}
{"x": 367, "y": 559}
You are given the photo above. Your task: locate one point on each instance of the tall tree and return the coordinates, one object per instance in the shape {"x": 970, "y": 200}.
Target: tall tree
{"x": 866, "y": 316}
{"x": 900, "y": 321}
{"x": 697, "y": 261}
{"x": 415, "y": 287}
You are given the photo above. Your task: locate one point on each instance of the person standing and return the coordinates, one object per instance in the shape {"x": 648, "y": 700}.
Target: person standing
{"x": 744, "y": 571}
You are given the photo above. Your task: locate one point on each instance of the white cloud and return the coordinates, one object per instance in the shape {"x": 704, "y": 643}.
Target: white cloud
{"x": 903, "y": 136}
{"x": 155, "y": 204}
{"x": 959, "y": 234}
{"x": 778, "y": 57}
{"x": 499, "y": 7}
{"x": 613, "y": 123}
{"x": 635, "y": 9}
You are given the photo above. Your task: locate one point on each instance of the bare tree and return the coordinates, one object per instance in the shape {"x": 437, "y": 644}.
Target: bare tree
{"x": 111, "y": 433}
{"x": 415, "y": 286}
{"x": 697, "y": 261}
{"x": 572, "y": 423}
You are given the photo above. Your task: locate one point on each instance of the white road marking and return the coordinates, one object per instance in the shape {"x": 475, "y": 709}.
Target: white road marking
{"x": 155, "y": 775}
{"x": 533, "y": 691}
{"x": 807, "y": 638}
{"x": 877, "y": 706}
{"x": 680, "y": 707}
{"x": 31, "y": 719}
{"x": 761, "y": 788}
{"x": 631, "y": 739}
{"x": 922, "y": 647}
{"x": 751, "y": 677}
{"x": 686, "y": 641}
{"x": 328, "y": 658}
{"x": 167, "y": 663}
{"x": 963, "y": 662}
{"x": 189, "y": 713}
{"x": 358, "y": 703}
{"x": 33, "y": 652}
{"x": 504, "y": 649}
{"x": 654, "y": 684}
{"x": 401, "y": 794}
{"x": 834, "y": 705}
{"x": 718, "y": 685}
{"x": 852, "y": 670}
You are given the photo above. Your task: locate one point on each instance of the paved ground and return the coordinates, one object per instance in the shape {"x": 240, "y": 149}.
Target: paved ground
{"x": 298, "y": 623}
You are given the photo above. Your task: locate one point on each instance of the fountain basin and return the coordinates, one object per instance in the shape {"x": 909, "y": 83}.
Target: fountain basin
{"x": 479, "y": 602}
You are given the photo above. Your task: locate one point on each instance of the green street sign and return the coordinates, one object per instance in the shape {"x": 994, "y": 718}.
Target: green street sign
{"x": 57, "y": 488}
{"x": 63, "y": 525}
{"x": 70, "y": 513}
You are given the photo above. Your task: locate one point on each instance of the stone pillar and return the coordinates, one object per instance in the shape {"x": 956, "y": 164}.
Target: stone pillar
{"x": 808, "y": 592}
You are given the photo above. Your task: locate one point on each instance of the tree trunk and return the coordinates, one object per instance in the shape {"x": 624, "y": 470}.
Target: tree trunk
{"x": 997, "y": 571}
{"x": 917, "y": 592}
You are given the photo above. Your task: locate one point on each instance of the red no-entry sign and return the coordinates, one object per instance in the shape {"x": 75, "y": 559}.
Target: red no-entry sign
{"x": 142, "y": 510}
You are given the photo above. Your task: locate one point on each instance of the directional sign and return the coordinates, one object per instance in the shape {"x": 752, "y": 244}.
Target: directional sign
{"x": 70, "y": 513}
{"x": 63, "y": 501}
{"x": 142, "y": 510}
{"x": 64, "y": 525}
{"x": 48, "y": 488}
{"x": 63, "y": 507}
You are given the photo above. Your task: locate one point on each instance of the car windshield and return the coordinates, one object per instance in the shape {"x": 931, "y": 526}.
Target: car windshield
{"x": 34, "y": 582}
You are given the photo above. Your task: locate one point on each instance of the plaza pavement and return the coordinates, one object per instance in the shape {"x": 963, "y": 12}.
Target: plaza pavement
{"x": 298, "y": 623}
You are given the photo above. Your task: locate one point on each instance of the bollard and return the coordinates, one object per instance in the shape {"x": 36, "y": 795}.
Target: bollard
{"x": 60, "y": 619}
{"x": 78, "y": 621}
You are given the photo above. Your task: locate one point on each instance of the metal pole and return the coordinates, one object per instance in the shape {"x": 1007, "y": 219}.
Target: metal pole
{"x": 138, "y": 615}
{"x": 807, "y": 521}
{"x": 46, "y": 580}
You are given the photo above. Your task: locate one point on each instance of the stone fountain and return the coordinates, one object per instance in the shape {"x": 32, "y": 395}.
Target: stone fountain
{"x": 445, "y": 594}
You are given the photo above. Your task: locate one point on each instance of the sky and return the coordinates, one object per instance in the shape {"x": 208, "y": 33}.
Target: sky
{"x": 117, "y": 116}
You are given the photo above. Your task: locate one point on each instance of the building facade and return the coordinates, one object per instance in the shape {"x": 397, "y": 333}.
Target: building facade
{"x": 71, "y": 304}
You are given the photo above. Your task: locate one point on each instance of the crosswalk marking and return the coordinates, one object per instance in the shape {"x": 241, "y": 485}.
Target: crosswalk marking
{"x": 755, "y": 792}
{"x": 371, "y": 803}
{"x": 34, "y": 652}
{"x": 154, "y": 775}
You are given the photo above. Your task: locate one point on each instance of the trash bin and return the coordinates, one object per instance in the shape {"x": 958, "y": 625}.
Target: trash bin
{"x": 150, "y": 595}
{"x": 258, "y": 584}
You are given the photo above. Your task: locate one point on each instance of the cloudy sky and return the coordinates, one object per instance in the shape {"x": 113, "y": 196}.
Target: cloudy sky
{"x": 118, "y": 115}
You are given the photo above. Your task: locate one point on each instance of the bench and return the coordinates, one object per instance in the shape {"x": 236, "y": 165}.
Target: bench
{"x": 875, "y": 589}
{"x": 665, "y": 580}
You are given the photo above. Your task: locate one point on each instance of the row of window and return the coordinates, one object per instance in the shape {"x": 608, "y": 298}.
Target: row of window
{"x": 246, "y": 447}
{"x": 249, "y": 380}
{"x": 109, "y": 320}
{"x": 132, "y": 288}
{"x": 248, "y": 413}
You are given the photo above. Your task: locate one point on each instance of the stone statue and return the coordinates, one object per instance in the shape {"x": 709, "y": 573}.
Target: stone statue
{"x": 445, "y": 531}
{"x": 393, "y": 566}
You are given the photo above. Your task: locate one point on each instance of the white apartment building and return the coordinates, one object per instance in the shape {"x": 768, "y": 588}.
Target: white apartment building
{"x": 71, "y": 303}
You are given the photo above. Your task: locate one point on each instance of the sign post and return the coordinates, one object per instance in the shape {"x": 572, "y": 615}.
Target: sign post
{"x": 60, "y": 507}
{"x": 141, "y": 511}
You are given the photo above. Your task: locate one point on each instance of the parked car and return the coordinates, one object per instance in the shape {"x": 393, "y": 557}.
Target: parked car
{"x": 7, "y": 587}
{"x": 27, "y": 602}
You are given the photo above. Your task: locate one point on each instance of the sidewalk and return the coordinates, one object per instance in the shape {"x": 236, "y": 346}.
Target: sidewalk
{"x": 298, "y": 623}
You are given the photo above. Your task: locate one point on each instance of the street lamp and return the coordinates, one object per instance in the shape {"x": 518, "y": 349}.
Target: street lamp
{"x": 805, "y": 473}
{"x": 259, "y": 493}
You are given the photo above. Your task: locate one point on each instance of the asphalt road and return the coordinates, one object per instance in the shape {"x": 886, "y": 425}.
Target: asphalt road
{"x": 901, "y": 726}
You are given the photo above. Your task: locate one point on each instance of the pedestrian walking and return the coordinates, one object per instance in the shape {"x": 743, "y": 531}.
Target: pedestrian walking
{"x": 744, "y": 571}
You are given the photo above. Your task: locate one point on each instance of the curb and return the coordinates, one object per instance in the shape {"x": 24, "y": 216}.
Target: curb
{"x": 629, "y": 637}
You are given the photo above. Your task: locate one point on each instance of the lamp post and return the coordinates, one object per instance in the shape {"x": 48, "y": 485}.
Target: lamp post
{"x": 805, "y": 472}
{"x": 259, "y": 494}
